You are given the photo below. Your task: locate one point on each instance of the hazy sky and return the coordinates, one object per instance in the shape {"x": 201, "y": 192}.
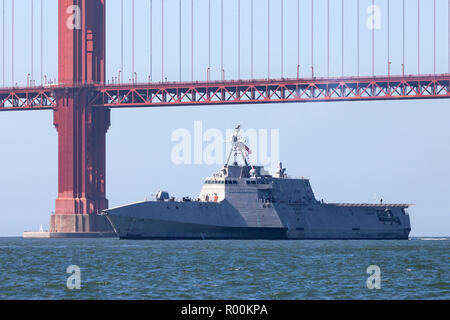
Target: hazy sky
{"x": 352, "y": 151}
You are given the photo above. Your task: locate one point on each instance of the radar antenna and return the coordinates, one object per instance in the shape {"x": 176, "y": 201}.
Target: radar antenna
{"x": 238, "y": 147}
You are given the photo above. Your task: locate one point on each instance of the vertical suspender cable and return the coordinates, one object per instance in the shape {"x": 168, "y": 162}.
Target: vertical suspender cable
{"x": 357, "y": 37}
{"x": 32, "y": 41}
{"x": 282, "y": 39}
{"x": 448, "y": 35}
{"x": 312, "y": 38}
{"x": 3, "y": 40}
{"x": 121, "y": 39}
{"x": 328, "y": 38}
{"x": 268, "y": 39}
{"x": 12, "y": 42}
{"x": 298, "y": 39}
{"x": 192, "y": 40}
{"x": 373, "y": 39}
{"x": 151, "y": 40}
{"x": 239, "y": 39}
{"x": 42, "y": 42}
{"x": 179, "y": 44}
{"x": 221, "y": 41}
{"x": 251, "y": 28}
{"x": 342, "y": 44}
{"x": 132, "y": 40}
{"x": 404, "y": 30}
{"x": 418, "y": 36}
{"x": 209, "y": 39}
{"x": 434, "y": 36}
{"x": 162, "y": 40}
{"x": 388, "y": 38}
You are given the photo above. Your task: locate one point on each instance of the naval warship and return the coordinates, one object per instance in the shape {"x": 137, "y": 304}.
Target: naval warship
{"x": 243, "y": 201}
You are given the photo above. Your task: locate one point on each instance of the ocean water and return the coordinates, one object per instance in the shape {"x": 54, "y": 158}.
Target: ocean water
{"x": 117, "y": 269}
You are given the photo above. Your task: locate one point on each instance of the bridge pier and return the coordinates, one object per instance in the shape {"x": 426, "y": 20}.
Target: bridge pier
{"x": 81, "y": 164}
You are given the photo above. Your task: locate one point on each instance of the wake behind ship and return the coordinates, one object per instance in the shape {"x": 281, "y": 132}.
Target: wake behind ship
{"x": 246, "y": 202}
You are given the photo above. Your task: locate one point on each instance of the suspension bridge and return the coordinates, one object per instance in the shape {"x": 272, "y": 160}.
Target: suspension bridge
{"x": 294, "y": 61}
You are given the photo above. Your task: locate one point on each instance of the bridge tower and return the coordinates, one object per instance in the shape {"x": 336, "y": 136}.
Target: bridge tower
{"x": 81, "y": 129}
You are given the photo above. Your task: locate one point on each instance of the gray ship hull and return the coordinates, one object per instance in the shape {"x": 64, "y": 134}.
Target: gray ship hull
{"x": 195, "y": 221}
{"x": 167, "y": 230}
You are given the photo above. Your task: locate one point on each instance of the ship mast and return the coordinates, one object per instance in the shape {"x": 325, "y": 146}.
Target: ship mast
{"x": 237, "y": 147}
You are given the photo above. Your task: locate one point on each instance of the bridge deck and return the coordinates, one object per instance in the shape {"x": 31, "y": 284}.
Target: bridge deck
{"x": 235, "y": 92}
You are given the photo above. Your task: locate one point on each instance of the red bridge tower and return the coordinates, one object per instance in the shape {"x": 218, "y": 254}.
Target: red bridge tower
{"x": 81, "y": 128}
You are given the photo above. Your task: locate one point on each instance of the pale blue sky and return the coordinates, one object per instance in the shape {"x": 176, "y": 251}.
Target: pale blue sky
{"x": 352, "y": 151}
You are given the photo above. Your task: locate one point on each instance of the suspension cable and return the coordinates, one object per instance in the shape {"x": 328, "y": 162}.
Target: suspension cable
{"x": 42, "y": 42}
{"x": 268, "y": 39}
{"x": 252, "y": 36}
{"x": 132, "y": 42}
{"x": 239, "y": 39}
{"x": 282, "y": 38}
{"x": 342, "y": 44}
{"x": 121, "y": 40}
{"x": 192, "y": 40}
{"x": 222, "y": 71}
{"x": 3, "y": 40}
{"x": 162, "y": 40}
{"x": 32, "y": 40}
{"x": 312, "y": 38}
{"x": 357, "y": 38}
{"x": 151, "y": 40}
{"x": 12, "y": 46}
{"x": 418, "y": 37}
{"x": 179, "y": 43}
